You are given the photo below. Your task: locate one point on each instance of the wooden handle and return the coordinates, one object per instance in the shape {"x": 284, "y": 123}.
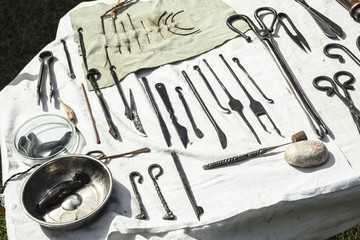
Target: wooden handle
{"x": 353, "y": 6}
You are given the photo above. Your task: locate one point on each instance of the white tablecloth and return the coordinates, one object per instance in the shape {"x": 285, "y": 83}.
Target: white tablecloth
{"x": 263, "y": 198}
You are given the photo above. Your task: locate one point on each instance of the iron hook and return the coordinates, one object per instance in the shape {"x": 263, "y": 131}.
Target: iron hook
{"x": 338, "y": 56}
{"x": 150, "y": 169}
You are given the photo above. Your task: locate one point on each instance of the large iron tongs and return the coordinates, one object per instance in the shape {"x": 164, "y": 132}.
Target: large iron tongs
{"x": 264, "y": 33}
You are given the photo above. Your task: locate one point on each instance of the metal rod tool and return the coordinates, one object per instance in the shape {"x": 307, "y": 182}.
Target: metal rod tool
{"x": 329, "y": 28}
{"x": 256, "y": 107}
{"x": 237, "y": 61}
{"x": 197, "y": 68}
{"x": 71, "y": 70}
{"x": 337, "y": 56}
{"x": 300, "y": 136}
{"x": 197, "y": 209}
{"x": 142, "y": 214}
{"x": 220, "y": 133}
{"x": 266, "y": 37}
{"x": 92, "y": 76}
{"x": 163, "y": 126}
{"x": 169, "y": 214}
{"x": 197, "y": 131}
{"x": 181, "y": 130}
{"x": 234, "y": 104}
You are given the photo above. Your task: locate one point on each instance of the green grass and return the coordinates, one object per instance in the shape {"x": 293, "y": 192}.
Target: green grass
{"x": 26, "y": 26}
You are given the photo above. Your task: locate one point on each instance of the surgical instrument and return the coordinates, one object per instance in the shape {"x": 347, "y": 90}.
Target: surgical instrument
{"x": 83, "y": 49}
{"x": 333, "y": 89}
{"x": 181, "y": 130}
{"x": 197, "y": 131}
{"x": 91, "y": 115}
{"x": 71, "y": 71}
{"x": 329, "y": 28}
{"x": 169, "y": 214}
{"x": 337, "y": 56}
{"x": 142, "y": 214}
{"x": 129, "y": 113}
{"x": 237, "y": 61}
{"x": 299, "y": 39}
{"x": 266, "y": 37}
{"x": 100, "y": 155}
{"x": 163, "y": 126}
{"x": 256, "y": 107}
{"x": 300, "y": 136}
{"x": 197, "y": 68}
{"x": 353, "y": 7}
{"x": 197, "y": 209}
{"x": 135, "y": 119}
{"x": 234, "y": 104}
{"x": 92, "y": 75}
{"x": 45, "y": 57}
{"x": 220, "y": 133}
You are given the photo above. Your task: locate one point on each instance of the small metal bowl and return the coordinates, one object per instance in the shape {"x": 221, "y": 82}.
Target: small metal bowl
{"x": 79, "y": 207}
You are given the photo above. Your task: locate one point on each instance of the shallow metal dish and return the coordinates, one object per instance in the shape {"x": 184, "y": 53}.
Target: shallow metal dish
{"x": 92, "y": 197}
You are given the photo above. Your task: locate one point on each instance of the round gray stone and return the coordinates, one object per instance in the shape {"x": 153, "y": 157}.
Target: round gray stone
{"x": 306, "y": 154}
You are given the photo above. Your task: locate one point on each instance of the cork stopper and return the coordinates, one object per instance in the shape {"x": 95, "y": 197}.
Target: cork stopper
{"x": 300, "y": 136}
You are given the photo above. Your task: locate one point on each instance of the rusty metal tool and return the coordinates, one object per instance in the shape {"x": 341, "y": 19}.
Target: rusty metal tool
{"x": 163, "y": 126}
{"x": 142, "y": 214}
{"x": 220, "y": 133}
{"x": 197, "y": 131}
{"x": 71, "y": 70}
{"x": 169, "y": 214}
{"x": 181, "y": 130}
{"x": 197, "y": 209}
{"x": 353, "y": 7}
{"x": 234, "y": 104}
{"x": 300, "y": 136}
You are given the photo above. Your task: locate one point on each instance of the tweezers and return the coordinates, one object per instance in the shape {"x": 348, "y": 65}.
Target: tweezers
{"x": 299, "y": 39}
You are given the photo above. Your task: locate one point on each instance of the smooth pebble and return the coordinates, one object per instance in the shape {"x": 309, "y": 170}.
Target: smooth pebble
{"x": 306, "y": 154}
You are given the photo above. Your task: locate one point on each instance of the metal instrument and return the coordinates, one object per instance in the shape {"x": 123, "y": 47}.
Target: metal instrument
{"x": 337, "y": 56}
{"x": 266, "y": 37}
{"x": 299, "y": 39}
{"x": 92, "y": 76}
{"x": 45, "y": 57}
{"x": 134, "y": 116}
{"x": 300, "y": 136}
{"x": 100, "y": 155}
{"x": 197, "y": 68}
{"x": 142, "y": 214}
{"x": 163, "y": 126}
{"x": 353, "y": 7}
{"x": 333, "y": 89}
{"x": 197, "y": 131}
{"x": 71, "y": 71}
{"x": 197, "y": 209}
{"x": 237, "y": 61}
{"x": 329, "y": 28}
{"x": 169, "y": 214}
{"x": 181, "y": 130}
{"x": 256, "y": 107}
{"x": 220, "y": 133}
{"x": 234, "y": 104}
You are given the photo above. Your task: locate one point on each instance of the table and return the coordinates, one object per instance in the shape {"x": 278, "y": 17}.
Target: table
{"x": 263, "y": 198}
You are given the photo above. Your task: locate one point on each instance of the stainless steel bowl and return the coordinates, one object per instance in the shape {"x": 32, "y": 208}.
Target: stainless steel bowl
{"x": 80, "y": 206}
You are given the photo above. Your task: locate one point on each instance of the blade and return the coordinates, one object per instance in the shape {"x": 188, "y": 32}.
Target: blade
{"x": 329, "y": 24}
{"x": 134, "y": 117}
{"x": 182, "y": 132}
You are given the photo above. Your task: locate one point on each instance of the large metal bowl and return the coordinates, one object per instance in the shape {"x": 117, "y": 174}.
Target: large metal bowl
{"x": 80, "y": 206}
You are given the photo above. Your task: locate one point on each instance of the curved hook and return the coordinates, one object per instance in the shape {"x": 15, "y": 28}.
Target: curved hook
{"x": 136, "y": 174}
{"x": 178, "y": 90}
{"x": 329, "y": 90}
{"x": 151, "y": 167}
{"x": 261, "y": 22}
{"x": 233, "y": 18}
{"x": 348, "y": 83}
{"x": 338, "y": 56}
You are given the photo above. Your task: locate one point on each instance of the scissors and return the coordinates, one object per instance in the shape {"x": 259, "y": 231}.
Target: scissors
{"x": 334, "y": 89}
{"x": 264, "y": 33}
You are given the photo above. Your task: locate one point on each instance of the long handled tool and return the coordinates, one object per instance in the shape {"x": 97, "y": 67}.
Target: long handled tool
{"x": 300, "y": 136}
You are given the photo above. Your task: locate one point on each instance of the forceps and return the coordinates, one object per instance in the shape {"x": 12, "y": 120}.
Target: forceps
{"x": 333, "y": 89}
{"x": 266, "y": 37}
